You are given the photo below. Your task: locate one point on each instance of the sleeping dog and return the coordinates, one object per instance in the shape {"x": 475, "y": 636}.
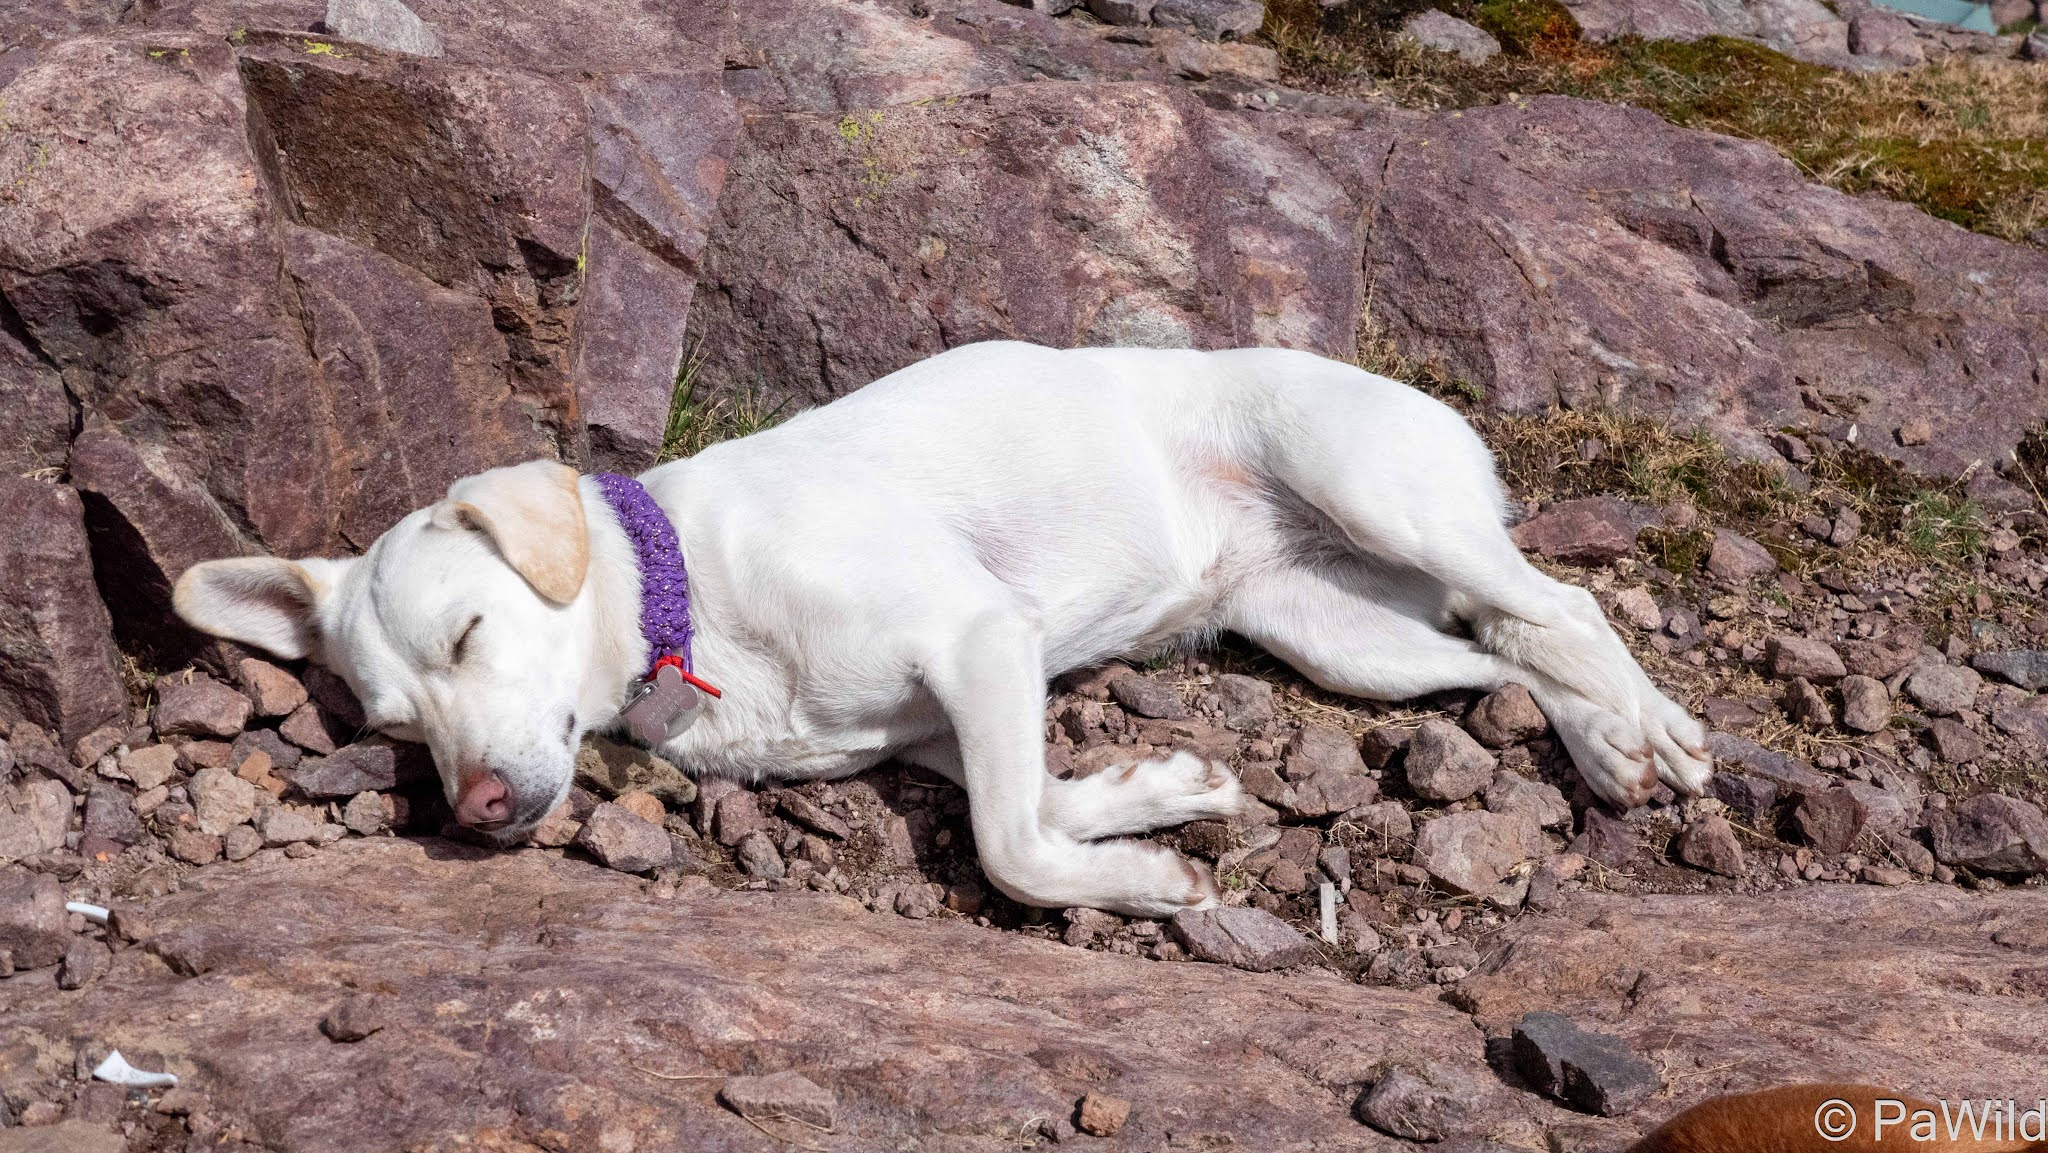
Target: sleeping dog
{"x": 898, "y": 573}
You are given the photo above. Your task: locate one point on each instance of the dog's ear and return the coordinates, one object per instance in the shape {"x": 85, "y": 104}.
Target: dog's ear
{"x": 533, "y": 513}
{"x": 258, "y": 600}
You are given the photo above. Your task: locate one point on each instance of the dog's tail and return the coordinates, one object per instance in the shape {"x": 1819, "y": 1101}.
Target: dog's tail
{"x": 1848, "y": 1119}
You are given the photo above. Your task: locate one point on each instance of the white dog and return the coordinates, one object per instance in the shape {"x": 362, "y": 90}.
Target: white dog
{"x": 899, "y": 573}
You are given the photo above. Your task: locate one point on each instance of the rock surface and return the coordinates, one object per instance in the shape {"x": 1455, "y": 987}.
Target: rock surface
{"x": 525, "y": 995}
{"x": 58, "y": 666}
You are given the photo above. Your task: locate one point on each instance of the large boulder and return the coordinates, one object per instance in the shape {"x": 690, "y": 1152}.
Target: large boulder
{"x": 58, "y": 667}
{"x": 849, "y": 245}
{"x": 298, "y": 285}
{"x": 1557, "y": 251}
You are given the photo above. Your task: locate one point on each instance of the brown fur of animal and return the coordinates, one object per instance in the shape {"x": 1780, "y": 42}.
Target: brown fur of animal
{"x": 1785, "y": 1120}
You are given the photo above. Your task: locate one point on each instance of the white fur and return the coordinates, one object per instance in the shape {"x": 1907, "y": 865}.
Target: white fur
{"x": 901, "y": 571}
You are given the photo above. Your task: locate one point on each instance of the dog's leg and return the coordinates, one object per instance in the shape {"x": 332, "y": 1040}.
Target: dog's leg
{"x": 1428, "y": 499}
{"x": 1152, "y": 794}
{"x": 1331, "y": 623}
{"x": 989, "y": 676}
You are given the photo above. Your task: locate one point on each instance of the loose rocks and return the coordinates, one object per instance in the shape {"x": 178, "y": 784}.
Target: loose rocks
{"x": 1470, "y": 852}
{"x": 1249, "y": 938}
{"x": 624, "y": 840}
{"x": 1444, "y": 764}
{"x": 1589, "y": 1071}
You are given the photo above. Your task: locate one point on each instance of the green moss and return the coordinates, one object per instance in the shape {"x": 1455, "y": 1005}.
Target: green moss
{"x": 1966, "y": 144}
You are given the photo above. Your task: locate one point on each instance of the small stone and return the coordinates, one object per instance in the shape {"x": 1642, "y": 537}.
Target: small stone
{"x": 1286, "y": 878}
{"x": 1847, "y": 528}
{"x": 1506, "y": 716}
{"x": 2027, "y": 668}
{"x": 1247, "y": 937}
{"x": 353, "y": 1020}
{"x": 1789, "y": 656}
{"x": 1830, "y": 820}
{"x": 1211, "y": 19}
{"x": 240, "y": 843}
{"x": 1086, "y": 926}
{"x": 560, "y": 827}
{"x": 2025, "y": 722}
{"x": 646, "y": 806}
{"x": 917, "y": 902}
{"x": 281, "y": 825}
{"x": 1738, "y": 560}
{"x": 33, "y": 924}
{"x": 366, "y": 766}
{"x": 1990, "y": 833}
{"x": 305, "y": 729}
{"x": 365, "y": 815}
{"x": 1127, "y": 13}
{"x": 200, "y": 707}
{"x": 1806, "y": 706}
{"x": 1441, "y": 32}
{"x": 1148, "y": 698}
{"x": 273, "y": 691}
{"x": 1593, "y": 530}
{"x": 1884, "y": 657}
{"x": 1790, "y": 774}
{"x": 1592, "y": 1072}
{"x": 196, "y": 755}
{"x": 194, "y": 847}
{"x": 1381, "y": 745}
{"x": 1866, "y": 706}
{"x": 1944, "y": 690}
{"x": 1319, "y": 749}
{"x": 150, "y": 766}
{"x": 623, "y": 840}
{"x": 1388, "y": 820}
{"x": 1445, "y": 764}
{"x": 1751, "y": 797}
{"x": 1426, "y": 1103}
{"x": 110, "y": 824}
{"x": 1885, "y": 875}
{"x": 1710, "y": 843}
{"x": 83, "y": 961}
{"x": 1469, "y": 852}
{"x": 1513, "y": 794}
{"x": 1103, "y": 1115}
{"x": 609, "y": 768}
{"x": 41, "y": 1113}
{"x": 34, "y": 818}
{"x": 1639, "y": 608}
{"x": 738, "y": 815}
{"x": 758, "y": 857}
{"x": 221, "y": 800}
{"x": 1953, "y": 743}
{"x": 807, "y": 813}
{"x": 785, "y": 1095}
{"x": 386, "y": 24}
{"x": 1247, "y": 701}
{"x": 1916, "y": 430}
{"x": 96, "y": 744}
{"x": 1606, "y": 838}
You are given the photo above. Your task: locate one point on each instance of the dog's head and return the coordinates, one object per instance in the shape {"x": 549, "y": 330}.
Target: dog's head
{"x": 464, "y": 627}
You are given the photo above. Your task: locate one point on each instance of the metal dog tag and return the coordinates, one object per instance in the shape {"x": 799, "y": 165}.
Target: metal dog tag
{"x": 663, "y": 708}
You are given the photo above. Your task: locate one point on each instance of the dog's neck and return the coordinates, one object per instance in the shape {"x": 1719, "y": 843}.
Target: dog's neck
{"x": 618, "y": 652}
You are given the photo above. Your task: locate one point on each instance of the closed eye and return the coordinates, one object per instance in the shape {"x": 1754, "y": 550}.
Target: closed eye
{"x": 461, "y": 648}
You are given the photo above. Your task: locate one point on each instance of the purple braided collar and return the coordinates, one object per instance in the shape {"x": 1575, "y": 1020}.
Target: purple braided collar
{"x": 664, "y": 583}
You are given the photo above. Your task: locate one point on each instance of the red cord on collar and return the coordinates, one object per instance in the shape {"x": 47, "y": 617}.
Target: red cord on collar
{"x": 675, "y": 662}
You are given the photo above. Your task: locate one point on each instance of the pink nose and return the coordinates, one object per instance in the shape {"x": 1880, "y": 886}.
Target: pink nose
{"x": 483, "y": 801}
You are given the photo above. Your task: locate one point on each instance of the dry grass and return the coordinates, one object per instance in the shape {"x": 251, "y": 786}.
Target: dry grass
{"x": 695, "y": 423}
{"x": 1964, "y": 142}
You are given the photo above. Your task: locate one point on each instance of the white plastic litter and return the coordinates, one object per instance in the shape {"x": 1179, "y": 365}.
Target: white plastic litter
{"x": 1329, "y": 895}
{"x": 93, "y": 913}
{"x": 116, "y": 1070}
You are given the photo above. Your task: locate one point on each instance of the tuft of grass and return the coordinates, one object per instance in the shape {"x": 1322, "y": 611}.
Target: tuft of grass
{"x": 1940, "y": 524}
{"x": 696, "y": 423}
{"x": 1966, "y": 143}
